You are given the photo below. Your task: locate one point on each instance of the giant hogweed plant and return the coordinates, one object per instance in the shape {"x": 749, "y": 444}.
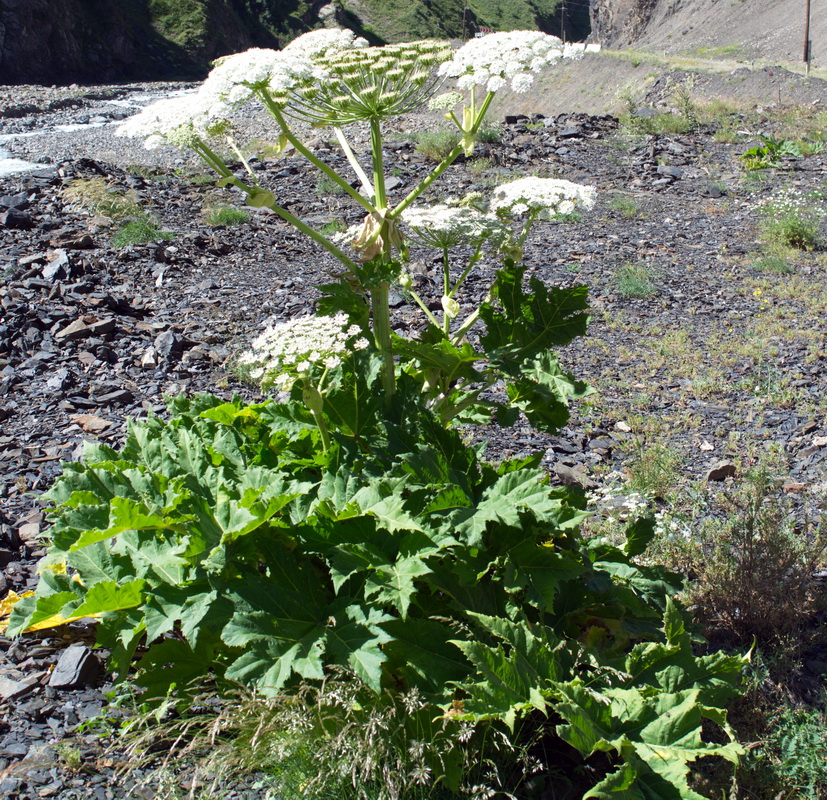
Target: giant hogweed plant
{"x": 332, "y": 80}
{"x": 349, "y": 526}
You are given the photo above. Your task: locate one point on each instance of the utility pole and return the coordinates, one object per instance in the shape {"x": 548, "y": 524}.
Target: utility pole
{"x": 807, "y": 37}
{"x": 563, "y": 20}
{"x": 465, "y": 14}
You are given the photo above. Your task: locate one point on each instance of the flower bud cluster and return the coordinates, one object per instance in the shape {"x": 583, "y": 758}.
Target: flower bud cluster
{"x": 286, "y": 351}
{"x": 542, "y": 198}
{"x": 372, "y": 83}
{"x": 513, "y": 57}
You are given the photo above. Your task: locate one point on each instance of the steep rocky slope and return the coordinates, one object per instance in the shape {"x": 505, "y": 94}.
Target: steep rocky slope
{"x": 736, "y": 29}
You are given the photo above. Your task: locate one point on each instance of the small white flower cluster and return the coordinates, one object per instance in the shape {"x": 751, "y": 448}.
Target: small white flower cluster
{"x": 508, "y": 57}
{"x": 614, "y": 502}
{"x": 670, "y": 529}
{"x": 442, "y": 226}
{"x": 233, "y": 81}
{"x": 789, "y": 200}
{"x": 288, "y": 350}
{"x": 325, "y": 43}
{"x": 445, "y": 101}
{"x": 176, "y": 120}
{"x": 543, "y": 198}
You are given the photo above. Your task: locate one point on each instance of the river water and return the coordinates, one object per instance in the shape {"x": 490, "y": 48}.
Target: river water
{"x": 9, "y": 165}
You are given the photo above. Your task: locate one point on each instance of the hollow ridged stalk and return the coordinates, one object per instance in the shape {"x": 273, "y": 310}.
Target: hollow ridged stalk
{"x": 447, "y": 161}
{"x": 382, "y": 336}
{"x": 213, "y": 160}
{"x": 298, "y": 144}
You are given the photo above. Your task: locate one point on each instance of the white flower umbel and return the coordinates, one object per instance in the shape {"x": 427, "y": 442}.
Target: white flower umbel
{"x": 509, "y": 57}
{"x": 541, "y": 198}
{"x": 235, "y": 79}
{"x": 301, "y": 348}
{"x": 325, "y": 43}
{"x": 173, "y": 120}
{"x": 443, "y": 226}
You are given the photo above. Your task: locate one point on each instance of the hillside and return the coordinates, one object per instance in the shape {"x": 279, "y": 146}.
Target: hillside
{"x": 66, "y": 41}
{"x": 748, "y": 30}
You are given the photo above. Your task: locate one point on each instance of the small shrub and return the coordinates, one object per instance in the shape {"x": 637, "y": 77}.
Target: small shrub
{"x": 224, "y": 215}
{"x": 139, "y": 230}
{"x": 489, "y": 134}
{"x": 793, "y": 230}
{"x": 792, "y": 218}
{"x": 754, "y": 564}
{"x": 635, "y": 280}
{"x": 435, "y": 145}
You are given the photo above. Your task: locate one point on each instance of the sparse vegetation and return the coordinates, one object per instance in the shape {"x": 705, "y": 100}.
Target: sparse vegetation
{"x": 225, "y": 215}
{"x": 635, "y": 280}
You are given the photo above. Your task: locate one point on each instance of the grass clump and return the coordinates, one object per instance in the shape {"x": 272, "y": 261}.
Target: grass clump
{"x": 133, "y": 225}
{"x": 625, "y": 205}
{"x": 138, "y": 231}
{"x": 101, "y": 197}
{"x": 226, "y": 216}
{"x": 325, "y": 185}
{"x": 635, "y": 280}
{"x": 436, "y": 145}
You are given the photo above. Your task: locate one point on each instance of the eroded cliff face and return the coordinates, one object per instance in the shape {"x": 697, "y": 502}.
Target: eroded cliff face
{"x": 58, "y": 41}
{"x": 618, "y": 23}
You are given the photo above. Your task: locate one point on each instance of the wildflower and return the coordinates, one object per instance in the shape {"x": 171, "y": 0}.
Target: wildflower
{"x": 325, "y": 42}
{"x": 289, "y": 350}
{"x": 445, "y": 101}
{"x": 234, "y": 80}
{"x": 174, "y": 120}
{"x": 508, "y": 57}
{"x": 543, "y": 198}
{"x": 443, "y": 226}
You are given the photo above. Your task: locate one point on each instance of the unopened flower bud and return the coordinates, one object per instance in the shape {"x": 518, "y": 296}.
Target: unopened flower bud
{"x": 405, "y": 281}
{"x": 450, "y": 307}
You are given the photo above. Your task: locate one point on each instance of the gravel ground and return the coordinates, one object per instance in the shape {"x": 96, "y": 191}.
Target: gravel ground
{"x": 92, "y": 335}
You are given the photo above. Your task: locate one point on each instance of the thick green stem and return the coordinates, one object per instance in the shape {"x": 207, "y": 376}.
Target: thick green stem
{"x": 418, "y": 300}
{"x": 446, "y": 162}
{"x": 214, "y": 161}
{"x": 380, "y": 197}
{"x": 275, "y": 111}
{"x": 382, "y": 336}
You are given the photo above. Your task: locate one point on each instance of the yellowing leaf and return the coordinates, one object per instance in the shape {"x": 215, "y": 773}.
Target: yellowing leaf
{"x": 7, "y": 604}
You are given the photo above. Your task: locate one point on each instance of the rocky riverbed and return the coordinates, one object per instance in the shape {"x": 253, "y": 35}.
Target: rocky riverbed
{"x": 720, "y": 362}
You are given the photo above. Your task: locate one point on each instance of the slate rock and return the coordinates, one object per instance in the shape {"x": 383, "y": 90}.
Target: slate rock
{"x": 77, "y": 666}
{"x": 14, "y": 218}
{"x": 19, "y": 201}
{"x": 672, "y": 172}
{"x": 169, "y": 344}
{"x": 721, "y": 471}
{"x": 16, "y": 690}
